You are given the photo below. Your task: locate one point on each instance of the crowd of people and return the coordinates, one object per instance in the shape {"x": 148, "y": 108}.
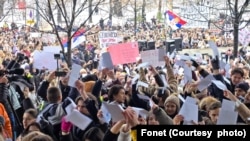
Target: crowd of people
{"x": 34, "y": 104}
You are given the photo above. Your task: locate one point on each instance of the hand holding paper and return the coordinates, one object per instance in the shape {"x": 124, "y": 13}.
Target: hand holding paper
{"x": 219, "y": 85}
{"x": 178, "y": 119}
{"x": 66, "y": 125}
{"x": 194, "y": 63}
{"x": 131, "y": 117}
{"x": 153, "y": 70}
{"x": 167, "y": 60}
{"x": 229, "y": 95}
{"x": 81, "y": 88}
{"x": 216, "y": 63}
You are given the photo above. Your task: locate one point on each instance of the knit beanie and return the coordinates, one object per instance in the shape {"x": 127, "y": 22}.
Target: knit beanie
{"x": 174, "y": 99}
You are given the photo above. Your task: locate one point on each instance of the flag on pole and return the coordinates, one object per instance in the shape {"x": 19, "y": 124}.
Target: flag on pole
{"x": 77, "y": 40}
{"x": 173, "y": 20}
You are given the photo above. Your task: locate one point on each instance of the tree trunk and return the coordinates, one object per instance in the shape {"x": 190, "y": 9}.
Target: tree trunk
{"x": 59, "y": 16}
{"x": 236, "y": 37}
{"x": 110, "y": 9}
{"x": 159, "y": 14}
{"x": 236, "y": 28}
{"x": 90, "y": 11}
{"x": 143, "y": 11}
{"x": 159, "y": 5}
{"x": 68, "y": 60}
{"x": 135, "y": 24}
{"x": 1, "y": 8}
{"x": 118, "y": 8}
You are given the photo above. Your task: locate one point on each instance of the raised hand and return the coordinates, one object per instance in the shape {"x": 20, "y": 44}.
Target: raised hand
{"x": 167, "y": 60}
{"x": 215, "y": 63}
{"x": 66, "y": 125}
{"x": 178, "y": 119}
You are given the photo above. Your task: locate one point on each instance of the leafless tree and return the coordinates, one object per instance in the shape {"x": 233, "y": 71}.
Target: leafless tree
{"x": 9, "y": 8}
{"x": 2, "y": 7}
{"x": 46, "y": 10}
{"x": 236, "y": 9}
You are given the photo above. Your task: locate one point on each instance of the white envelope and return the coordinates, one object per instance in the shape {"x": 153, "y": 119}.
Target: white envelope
{"x": 78, "y": 119}
{"x": 115, "y": 111}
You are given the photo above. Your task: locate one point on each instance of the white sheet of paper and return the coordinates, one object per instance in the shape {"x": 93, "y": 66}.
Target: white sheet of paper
{"x": 142, "y": 112}
{"x": 228, "y": 105}
{"x": 164, "y": 80}
{"x": 74, "y": 74}
{"x": 115, "y": 111}
{"x": 219, "y": 85}
{"x": 180, "y": 63}
{"x": 153, "y": 57}
{"x": 194, "y": 57}
{"x": 187, "y": 74}
{"x": 227, "y": 67}
{"x": 136, "y": 77}
{"x": 225, "y": 79}
{"x": 53, "y": 49}
{"x": 127, "y": 70}
{"x": 205, "y": 82}
{"x": 70, "y": 108}
{"x": 191, "y": 100}
{"x": 161, "y": 54}
{"x": 78, "y": 119}
{"x": 222, "y": 64}
{"x": 106, "y": 115}
{"x": 143, "y": 65}
{"x": 47, "y": 60}
{"x": 140, "y": 83}
{"x": 181, "y": 98}
{"x": 185, "y": 57}
{"x": 214, "y": 47}
{"x": 189, "y": 111}
{"x": 106, "y": 61}
{"x": 171, "y": 56}
{"x": 227, "y": 117}
{"x": 35, "y": 34}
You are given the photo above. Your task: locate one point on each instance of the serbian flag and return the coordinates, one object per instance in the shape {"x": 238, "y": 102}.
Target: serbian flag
{"x": 173, "y": 20}
{"x": 78, "y": 37}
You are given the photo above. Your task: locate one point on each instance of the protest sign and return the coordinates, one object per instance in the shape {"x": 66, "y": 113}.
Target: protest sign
{"x": 107, "y": 38}
{"x": 124, "y": 53}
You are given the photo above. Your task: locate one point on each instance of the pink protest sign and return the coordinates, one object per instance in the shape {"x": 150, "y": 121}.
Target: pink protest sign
{"x": 124, "y": 53}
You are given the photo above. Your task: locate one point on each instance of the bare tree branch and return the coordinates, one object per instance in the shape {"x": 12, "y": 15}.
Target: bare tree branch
{"x": 78, "y": 12}
{"x": 63, "y": 11}
{"x": 221, "y": 28}
{"x": 243, "y": 9}
{"x": 62, "y": 6}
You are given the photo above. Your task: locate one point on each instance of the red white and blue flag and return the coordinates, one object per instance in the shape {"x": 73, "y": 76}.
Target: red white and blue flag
{"x": 173, "y": 20}
{"x": 78, "y": 38}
